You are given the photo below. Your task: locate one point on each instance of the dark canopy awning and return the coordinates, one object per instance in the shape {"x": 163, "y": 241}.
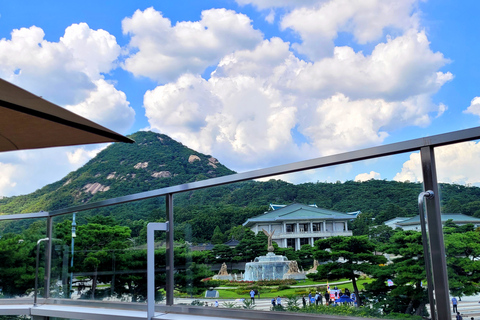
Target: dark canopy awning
{"x": 30, "y": 122}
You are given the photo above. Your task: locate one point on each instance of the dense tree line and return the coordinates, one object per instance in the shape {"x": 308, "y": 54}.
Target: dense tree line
{"x": 107, "y": 254}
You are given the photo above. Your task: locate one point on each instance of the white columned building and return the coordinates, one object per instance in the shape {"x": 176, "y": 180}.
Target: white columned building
{"x": 299, "y": 224}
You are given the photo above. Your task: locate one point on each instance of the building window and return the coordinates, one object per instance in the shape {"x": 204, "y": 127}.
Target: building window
{"x": 317, "y": 227}
{"x": 291, "y": 243}
{"x": 290, "y": 227}
{"x": 304, "y": 241}
{"x": 303, "y": 227}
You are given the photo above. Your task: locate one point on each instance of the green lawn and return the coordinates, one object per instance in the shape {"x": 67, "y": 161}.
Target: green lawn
{"x": 272, "y": 292}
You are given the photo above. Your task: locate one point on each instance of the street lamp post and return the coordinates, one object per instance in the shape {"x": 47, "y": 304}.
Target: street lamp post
{"x": 73, "y": 246}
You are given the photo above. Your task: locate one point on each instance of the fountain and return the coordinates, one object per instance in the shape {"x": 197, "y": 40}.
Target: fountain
{"x": 271, "y": 266}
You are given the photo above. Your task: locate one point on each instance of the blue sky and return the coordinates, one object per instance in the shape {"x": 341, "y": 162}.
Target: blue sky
{"x": 254, "y": 83}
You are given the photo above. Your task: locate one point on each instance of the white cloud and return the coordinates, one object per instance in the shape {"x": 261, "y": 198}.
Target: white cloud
{"x": 340, "y": 124}
{"x": 25, "y": 171}
{"x": 7, "y": 174}
{"x": 68, "y": 72}
{"x": 62, "y": 72}
{"x": 106, "y": 106}
{"x": 265, "y": 4}
{"x": 380, "y": 75}
{"x": 80, "y": 156}
{"x": 93, "y": 51}
{"x": 246, "y": 112}
{"x": 456, "y": 163}
{"x": 163, "y": 52}
{"x": 367, "y": 176}
{"x": 270, "y": 17}
{"x": 318, "y": 22}
{"x": 474, "y": 107}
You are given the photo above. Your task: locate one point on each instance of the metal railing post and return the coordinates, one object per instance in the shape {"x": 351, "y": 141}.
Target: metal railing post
{"x": 170, "y": 283}
{"x": 36, "y": 271}
{"x": 151, "y": 228}
{"x": 435, "y": 234}
{"x": 48, "y": 258}
{"x": 426, "y": 250}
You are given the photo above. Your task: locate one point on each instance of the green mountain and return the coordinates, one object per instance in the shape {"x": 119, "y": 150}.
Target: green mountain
{"x": 154, "y": 161}
{"x": 157, "y": 161}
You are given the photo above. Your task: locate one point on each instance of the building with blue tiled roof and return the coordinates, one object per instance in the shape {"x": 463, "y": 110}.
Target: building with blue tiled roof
{"x": 297, "y": 224}
{"x": 413, "y": 223}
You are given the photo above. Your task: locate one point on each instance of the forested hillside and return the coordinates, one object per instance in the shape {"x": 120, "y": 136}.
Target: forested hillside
{"x": 157, "y": 161}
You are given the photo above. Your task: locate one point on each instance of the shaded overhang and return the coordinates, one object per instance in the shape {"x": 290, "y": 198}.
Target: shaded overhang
{"x": 29, "y": 122}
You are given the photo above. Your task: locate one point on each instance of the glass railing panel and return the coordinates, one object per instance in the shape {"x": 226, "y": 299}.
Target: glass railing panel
{"x": 103, "y": 255}
{"x": 459, "y": 178}
{"x": 221, "y": 244}
{"x": 18, "y": 245}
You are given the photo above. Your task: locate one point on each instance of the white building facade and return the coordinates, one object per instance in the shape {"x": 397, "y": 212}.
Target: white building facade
{"x": 297, "y": 224}
{"x": 413, "y": 223}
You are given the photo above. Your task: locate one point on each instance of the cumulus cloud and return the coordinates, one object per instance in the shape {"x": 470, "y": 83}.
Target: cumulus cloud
{"x": 164, "y": 52}
{"x": 80, "y": 156}
{"x": 23, "y": 172}
{"x": 381, "y": 74}
{"x": 106, "y": 106}
{"x": 474, "y": 107}
{"x": 367, "y": 176}
{"x": 70, "y": 73}
{"x": 318, "y": 22}
{"x": 255, "y": 98}
{"x": 264, "y": 4}
{"x": 228, "y": 116}
{"x": 62, "y": 72}
{"x": 7, "y": 181}
{"x": 456, "y": 163}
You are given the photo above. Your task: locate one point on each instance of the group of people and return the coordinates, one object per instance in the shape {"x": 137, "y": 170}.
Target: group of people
{"x": 317, "y": 298}
{"x": 458, "y": 316}
{"x": 276, "y": 301}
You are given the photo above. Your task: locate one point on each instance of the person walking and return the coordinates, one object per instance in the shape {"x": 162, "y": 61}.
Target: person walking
{"x": 317, "y": 298}
{"x": 304, "y": 301}
{"x": 273, "y": 303}
{"x": 454, "y": 304}
{"x": 279, "y": 301}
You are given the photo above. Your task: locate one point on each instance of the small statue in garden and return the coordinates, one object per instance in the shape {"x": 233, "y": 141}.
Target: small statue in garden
{"x": 270, "y": 236}
{"x": 223, "y": 270}
{"x": 293, "y": 267}
{"x": 314, "y": 268}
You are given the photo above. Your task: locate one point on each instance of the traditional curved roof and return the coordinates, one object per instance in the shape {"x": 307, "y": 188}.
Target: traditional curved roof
{"x": 295, "y": 212}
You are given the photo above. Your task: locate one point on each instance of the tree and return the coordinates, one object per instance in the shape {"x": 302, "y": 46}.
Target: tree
{"x": 95, "y": 244}
{"x": 346, "y": 257}
{"x": 452, "y": 206}
{"x": 463, "y": 253}
{"x": 251, "y": 246}
{"x": 361, "y": 224}
{"x": 381, "y": 234}
{"x": 218, "y": 236}
{"x": 222, "y": 253}
{"x": 17, "y": 270}
{"x": 407, "y": 272}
